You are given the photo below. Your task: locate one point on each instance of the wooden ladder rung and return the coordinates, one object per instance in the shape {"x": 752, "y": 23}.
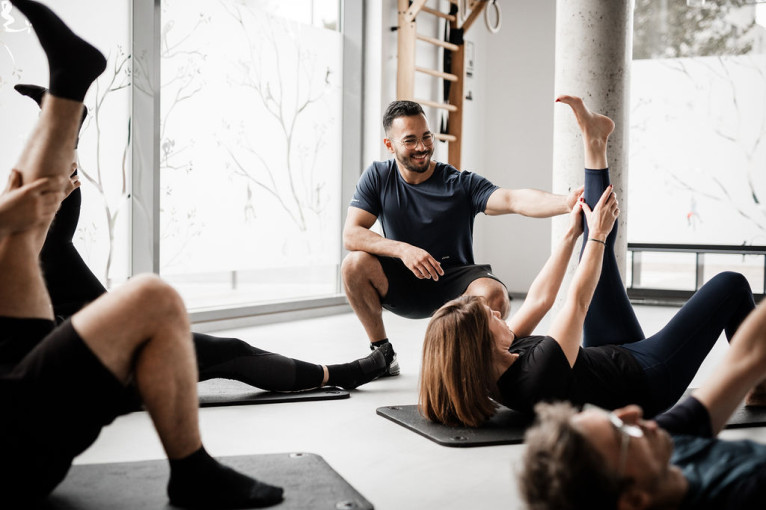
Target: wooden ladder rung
{"x": 439, "y": 14}
{"x": 437, "y": 42}
{"x": 438, "y": 74}
{"x": 434, "y": 104}
{"x": 444, "y": 137}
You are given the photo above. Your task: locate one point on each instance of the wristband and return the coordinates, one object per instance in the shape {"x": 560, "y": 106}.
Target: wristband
{"x": 597, "y": 240}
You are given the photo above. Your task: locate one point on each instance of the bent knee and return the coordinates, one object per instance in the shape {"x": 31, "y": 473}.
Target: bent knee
{"x": 735, "y": 281}
{"x": 156, "y": 295}
{"x": 359, "y": 263}
{"x": 493, "y": 292}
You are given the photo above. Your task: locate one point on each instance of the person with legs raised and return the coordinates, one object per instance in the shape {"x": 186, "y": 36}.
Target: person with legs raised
{"x": 75, "y": 375}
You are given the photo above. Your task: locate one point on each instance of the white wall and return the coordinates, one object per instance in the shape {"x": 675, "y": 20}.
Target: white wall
{"x": 508, "y": 126}
{"x": 518, "y": 69}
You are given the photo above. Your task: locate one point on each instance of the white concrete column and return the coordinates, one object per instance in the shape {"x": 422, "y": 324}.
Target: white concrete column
{"x": 593, "y": 58}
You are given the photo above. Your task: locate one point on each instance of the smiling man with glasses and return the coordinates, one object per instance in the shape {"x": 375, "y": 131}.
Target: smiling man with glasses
{"x": 426, "y": 210}
{"x": 598, "y": 459}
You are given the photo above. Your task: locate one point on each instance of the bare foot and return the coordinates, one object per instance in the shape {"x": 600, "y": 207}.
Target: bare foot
{"x": 756, "y": 397}
{"x": 594, "y": 126}
{"x": 595, "y": 129}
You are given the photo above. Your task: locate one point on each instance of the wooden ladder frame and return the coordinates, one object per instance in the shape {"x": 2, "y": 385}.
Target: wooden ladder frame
{"x": 406, "y": 67}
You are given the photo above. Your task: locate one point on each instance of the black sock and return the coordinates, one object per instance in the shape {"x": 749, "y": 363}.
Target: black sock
{"x": 200, "y": 481}
{"x": 73, "y": 63}
{"x": 354, "y": 374}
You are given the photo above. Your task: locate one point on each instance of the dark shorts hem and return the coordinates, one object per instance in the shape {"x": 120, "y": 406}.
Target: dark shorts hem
{"x": 414, "y": 298}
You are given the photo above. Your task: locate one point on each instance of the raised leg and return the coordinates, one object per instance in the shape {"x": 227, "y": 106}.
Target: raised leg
{"x": 610, "y": 318}
{"x": 73, "y": 65}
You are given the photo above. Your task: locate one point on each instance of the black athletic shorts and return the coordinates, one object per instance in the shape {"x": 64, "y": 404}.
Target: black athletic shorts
{"x": 53, "y": 404}
{"x": 411, "y": 297}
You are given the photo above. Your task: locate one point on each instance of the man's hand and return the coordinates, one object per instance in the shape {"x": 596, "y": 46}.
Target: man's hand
{"x": 25, "y": 207}
{"x": 575, "y": 218}
{"x": 421, "y": 263}
{"x": 574, "y": 196}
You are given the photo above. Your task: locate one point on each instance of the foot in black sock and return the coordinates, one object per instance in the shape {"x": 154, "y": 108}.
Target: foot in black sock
{"x": 200, "y": 481}
{"x": 73, "y": 63}
{"x": 354, "y": 374}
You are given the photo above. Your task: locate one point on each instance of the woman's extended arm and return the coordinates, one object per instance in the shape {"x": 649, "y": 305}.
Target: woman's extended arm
{"x": 542, "y": 293}
{"x": 568, "y": 323}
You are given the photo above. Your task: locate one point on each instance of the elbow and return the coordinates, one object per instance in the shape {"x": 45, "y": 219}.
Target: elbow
{"x": 347, "y": 244}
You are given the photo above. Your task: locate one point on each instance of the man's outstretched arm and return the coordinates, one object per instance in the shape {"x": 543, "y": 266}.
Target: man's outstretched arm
{"x": 530, "y": 202}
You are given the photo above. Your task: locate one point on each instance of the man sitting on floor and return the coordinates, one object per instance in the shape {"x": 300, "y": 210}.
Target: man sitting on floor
{"x": 615, "y": 460}
{"x": 60, "y": 385}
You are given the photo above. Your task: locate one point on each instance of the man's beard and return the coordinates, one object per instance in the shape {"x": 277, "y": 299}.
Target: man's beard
{"x": 412, "y": 166}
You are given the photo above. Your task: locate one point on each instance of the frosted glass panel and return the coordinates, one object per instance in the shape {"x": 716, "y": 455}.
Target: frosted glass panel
{"x": 250, "y": 150}
{"x": 698, "y": 124}
{"x": 104, "y": 156}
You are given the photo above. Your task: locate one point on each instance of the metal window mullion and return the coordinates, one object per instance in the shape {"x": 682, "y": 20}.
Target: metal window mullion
{"x": 145, "y": 133}
{"x": 352, "y": 28}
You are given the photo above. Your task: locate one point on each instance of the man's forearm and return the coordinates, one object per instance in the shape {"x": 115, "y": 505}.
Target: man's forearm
{"x": 540, "y": 204}
{"x": 364, "y": 239}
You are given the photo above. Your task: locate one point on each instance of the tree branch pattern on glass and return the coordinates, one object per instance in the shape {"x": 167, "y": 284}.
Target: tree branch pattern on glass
{"x": 269, "y": 74}
{"x": 250, "y": 138}
{"x": 697, "y": 123}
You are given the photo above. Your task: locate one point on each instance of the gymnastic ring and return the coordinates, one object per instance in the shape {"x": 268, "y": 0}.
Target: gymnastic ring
{"x": 499, "y": 14}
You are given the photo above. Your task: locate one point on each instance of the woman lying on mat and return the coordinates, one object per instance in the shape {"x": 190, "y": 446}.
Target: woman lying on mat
{"x": 472, "y": 358}
{"x": 72, "y": 285}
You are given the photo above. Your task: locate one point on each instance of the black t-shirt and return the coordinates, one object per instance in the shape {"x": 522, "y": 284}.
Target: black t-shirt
{"x": 436, "y": 215}
{"x": 607, "y": 376}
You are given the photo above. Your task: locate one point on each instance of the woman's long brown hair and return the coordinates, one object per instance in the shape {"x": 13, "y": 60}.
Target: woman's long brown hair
{"x": 456, "y": 374}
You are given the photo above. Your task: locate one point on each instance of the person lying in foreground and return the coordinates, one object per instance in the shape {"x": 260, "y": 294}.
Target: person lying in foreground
{"x": 597, "y": 459}
{"x": 61, "y": 384}
{"x": 473, "y": 359}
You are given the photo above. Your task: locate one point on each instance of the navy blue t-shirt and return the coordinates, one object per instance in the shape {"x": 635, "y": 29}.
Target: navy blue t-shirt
{"x": 436, "y": 215}
{"x": 722, "y": 475}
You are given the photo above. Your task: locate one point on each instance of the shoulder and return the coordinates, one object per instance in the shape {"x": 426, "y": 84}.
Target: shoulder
{"x": 379, "y": 168}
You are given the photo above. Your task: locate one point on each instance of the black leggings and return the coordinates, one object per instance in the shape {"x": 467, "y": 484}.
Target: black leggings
{"x": 671, "y": 357}
{"x": 72, "y": 285}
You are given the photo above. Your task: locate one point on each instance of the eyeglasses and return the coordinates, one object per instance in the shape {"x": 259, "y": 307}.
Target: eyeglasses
{"x": 411, "y": 143}
{"x": 625, "y": 430}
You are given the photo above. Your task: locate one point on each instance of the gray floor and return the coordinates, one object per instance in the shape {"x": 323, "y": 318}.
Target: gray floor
{"x": 393, "y": 468}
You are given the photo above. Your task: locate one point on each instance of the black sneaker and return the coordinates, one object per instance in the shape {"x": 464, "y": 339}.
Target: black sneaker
{"x": 392, "y": 368}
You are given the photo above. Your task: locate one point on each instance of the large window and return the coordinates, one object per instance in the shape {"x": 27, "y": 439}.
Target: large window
{"x": 698, "y": 126}
{"x": 250, "y": 149}
{"x": 230, "y": 183}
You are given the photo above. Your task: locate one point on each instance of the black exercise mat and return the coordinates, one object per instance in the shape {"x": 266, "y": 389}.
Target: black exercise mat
{"x": 505, "y": 427}
{"x": 743, "y": 417}
{"x": 227, "y": 392}
{"x": 309, "y": 483}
